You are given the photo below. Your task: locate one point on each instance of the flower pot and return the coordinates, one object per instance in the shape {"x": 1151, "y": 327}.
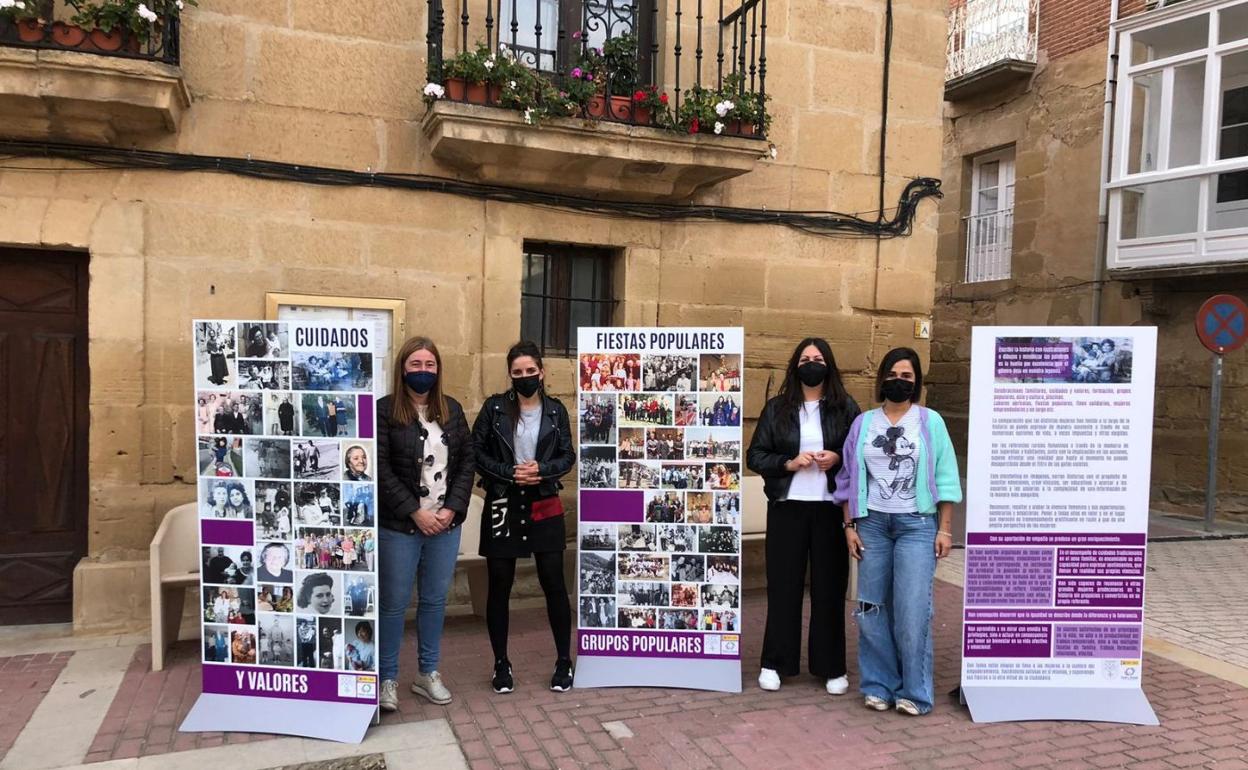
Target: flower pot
{"x": 740, "y": 128}
{"x": 476, "y": 93}
{"x": 621, "y": 108}
{"x": 30, "y": 30}
{"x": 107, "y": 40}
{"x": 455, "y": 88}
{"x": 494, "y": 94}
{"x": 68, "y": 35}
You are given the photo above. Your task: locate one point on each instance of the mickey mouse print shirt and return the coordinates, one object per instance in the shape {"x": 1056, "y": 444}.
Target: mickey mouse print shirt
{"x": 892, "y": 457}
{"x": 433, "y": 466}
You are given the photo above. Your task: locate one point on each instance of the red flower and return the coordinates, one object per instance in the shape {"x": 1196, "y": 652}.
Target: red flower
{"x": 640, "y": 96}
{"x": 663, "y": 98}
{"x": 693, "y": 126}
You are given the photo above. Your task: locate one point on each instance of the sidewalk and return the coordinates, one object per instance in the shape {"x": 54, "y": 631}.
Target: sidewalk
{"x": 798, "y": 727}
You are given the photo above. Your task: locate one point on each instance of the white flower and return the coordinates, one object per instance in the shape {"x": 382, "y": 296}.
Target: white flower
{"x": 719, "y": 127}
{"x": 724, "y": 107}
{"x": 528, "y": 116}
{"x": 179, "y": 4}
{"x": 489, "y": 63}
{"x": 147, "y": 13}
{"x": 772, "y": 152}
{"x": 8, "y": 3}
{"x": 513, "y": 85}
{"x": 435, "y": 90}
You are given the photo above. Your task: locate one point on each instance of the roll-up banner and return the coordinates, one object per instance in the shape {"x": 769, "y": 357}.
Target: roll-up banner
{"x": 287, "y": 500}
{"x": 659, "y": 541}
{"x": 1059, "y": 450}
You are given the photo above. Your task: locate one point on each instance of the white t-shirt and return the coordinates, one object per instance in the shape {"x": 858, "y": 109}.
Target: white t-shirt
{"x": 810, "y": 483}
{"x": 433, "y": 470}
{"x": 893, "y": 455}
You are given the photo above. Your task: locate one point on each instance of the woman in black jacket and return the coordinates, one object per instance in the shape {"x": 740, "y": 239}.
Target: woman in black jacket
{"x": 796, "y": 448}
{"x": 424, "y": 475}
{"x": 523, "y": 444}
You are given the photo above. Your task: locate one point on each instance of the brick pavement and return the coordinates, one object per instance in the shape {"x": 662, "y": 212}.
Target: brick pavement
{"x": 24, "y": 680}
{"x": 798, "y": 727}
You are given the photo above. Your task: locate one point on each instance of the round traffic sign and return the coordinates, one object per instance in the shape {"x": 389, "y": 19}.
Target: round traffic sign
{"x": 1222, "y": 323}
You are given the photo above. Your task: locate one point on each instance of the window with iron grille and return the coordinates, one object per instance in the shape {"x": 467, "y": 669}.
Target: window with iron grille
{"x": 565, "y": 287}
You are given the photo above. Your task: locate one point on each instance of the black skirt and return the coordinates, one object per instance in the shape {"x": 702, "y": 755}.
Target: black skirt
{"x": 508, "y": 532}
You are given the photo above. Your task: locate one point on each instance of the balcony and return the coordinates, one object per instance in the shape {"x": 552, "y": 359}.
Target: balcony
{"x": 991, "y": 43}
{"x": 606, "y": 96}
{"x": 62, "y": 77}
{"x": 1178, "y": 189}
{"x": 989, "y": 246}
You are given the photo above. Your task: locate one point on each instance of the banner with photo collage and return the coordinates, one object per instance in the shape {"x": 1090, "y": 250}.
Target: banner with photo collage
{"x": 284, "y": 427}
{"x": 659, "y": 414}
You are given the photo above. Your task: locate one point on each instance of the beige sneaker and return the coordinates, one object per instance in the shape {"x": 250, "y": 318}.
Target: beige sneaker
{"x": 874, "y": 703}
{"x": 389, "y": 700}
{"x": 430, "y": 687}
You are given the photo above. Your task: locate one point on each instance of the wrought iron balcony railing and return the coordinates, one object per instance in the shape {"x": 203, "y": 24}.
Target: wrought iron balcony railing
{"x": 54, "y": 30}
{"x": 987, "y": 32}
{"x": 712, "y": 50}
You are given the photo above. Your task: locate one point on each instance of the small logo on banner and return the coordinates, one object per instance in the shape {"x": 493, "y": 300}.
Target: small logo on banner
{"x": 730, "y": 644}
{"x": 346, "y": 685}
{"x": 366, "y": 687}
{"x": 710, "y": 644}
{"x": 1131, "y": 670}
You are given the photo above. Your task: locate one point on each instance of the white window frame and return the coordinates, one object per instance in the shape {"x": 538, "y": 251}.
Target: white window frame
{"x": 989, "y": 258}
{"x": 1202, "y": 244}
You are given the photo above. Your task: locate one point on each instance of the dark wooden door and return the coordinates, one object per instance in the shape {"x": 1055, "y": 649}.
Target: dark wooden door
{"x": 44, "y": 391}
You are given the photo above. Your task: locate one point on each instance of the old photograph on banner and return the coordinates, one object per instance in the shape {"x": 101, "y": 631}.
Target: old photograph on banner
{"x": 659, "y": 415}
{"x": 1059, "y": 455}
{"x": 287, "y": 498}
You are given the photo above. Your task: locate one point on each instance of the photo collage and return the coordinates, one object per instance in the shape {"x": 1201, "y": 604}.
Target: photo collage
{"x": 668, "y": 426}
{"x": 287, "y": 500}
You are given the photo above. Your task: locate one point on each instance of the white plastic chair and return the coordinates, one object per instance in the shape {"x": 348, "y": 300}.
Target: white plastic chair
{"x": 473, "y": 563}
{"x": 174, "y": 568}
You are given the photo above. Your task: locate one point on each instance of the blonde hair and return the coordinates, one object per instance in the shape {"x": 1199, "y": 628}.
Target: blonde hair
{"x": 402, "y": 410}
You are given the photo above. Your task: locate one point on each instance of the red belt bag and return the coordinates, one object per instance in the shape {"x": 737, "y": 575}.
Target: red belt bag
{"x": 546, "y": 509}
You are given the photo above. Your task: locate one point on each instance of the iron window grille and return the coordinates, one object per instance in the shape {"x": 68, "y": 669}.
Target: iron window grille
{"x": 565, "y": 287}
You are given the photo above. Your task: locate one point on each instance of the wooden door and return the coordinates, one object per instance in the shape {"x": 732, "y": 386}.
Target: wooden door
{"x": 44, "y": 391}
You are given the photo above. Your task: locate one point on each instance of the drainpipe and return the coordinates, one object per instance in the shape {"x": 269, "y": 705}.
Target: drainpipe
{"x": 1107, "y": 130}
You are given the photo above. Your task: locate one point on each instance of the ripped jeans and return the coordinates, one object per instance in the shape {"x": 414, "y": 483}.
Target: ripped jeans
{"x": 894, "y": 610}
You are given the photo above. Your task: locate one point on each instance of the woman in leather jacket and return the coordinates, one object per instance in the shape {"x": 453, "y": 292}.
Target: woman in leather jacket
{"x": 796, "y": 448}
{"x": 424, "y": 483}
{"x": 523, "y": 445}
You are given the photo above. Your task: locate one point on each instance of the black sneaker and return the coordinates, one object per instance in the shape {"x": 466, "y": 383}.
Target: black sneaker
{"x": 562, "y": 680}
{"x": 502, "y": 681}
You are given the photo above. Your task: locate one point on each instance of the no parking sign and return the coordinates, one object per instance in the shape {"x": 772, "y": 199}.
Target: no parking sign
{"x": 1222, "y": 323}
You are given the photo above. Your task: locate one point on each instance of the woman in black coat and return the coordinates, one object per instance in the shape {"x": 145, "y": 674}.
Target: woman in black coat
{"x": 523, "y": 444}
{"x": 424, "y": 473}
{"x": 796, "y": 448}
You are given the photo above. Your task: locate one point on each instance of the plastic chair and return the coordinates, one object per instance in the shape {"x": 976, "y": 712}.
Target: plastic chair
{"x": 473, "y": 563}
{"x": 174, "y": 568}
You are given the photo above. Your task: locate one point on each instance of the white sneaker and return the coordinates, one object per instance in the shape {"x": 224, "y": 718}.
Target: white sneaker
{"x": 769, "y": 680}
{"x": 389, "y": 700}
{"x": 874, "y": 703}
{"x": 907, "y": 707}
{"x": 430, "y": 686}
{"x": 838, "y": 686}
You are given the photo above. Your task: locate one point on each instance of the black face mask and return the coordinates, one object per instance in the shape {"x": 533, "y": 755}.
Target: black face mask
{"x": 897, "y": 390}
{"x": 527, "y": 386}
{"x": 812, "y": 373}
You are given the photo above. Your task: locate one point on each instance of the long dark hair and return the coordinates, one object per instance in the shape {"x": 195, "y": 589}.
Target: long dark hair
{"x": 520, "y": 350}
{"x": 791, "y": 395}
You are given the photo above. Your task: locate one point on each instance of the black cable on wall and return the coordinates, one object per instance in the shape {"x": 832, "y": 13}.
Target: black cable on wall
{"x": 816, "y": 222}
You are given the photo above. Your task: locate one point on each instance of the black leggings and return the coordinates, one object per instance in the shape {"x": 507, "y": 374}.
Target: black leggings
{"x": 502, "y": 573}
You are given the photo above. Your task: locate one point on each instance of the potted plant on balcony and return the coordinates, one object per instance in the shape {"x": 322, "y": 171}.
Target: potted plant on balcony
{"x": 743, "y": 112}
{"x": 112, "y": 25}
{"x": 618, "y": 82}
{"x": 24, "y": 15}
{"x": 470, "y": 76}
{"x": 697, "y": 111}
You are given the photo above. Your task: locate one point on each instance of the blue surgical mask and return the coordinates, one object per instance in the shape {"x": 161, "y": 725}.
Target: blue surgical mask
{"x": 421, "y": 382}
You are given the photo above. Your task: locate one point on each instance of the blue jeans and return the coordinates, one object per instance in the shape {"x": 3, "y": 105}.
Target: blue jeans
{"x": 404, "y": 559}
{"x": 895, "y": 606}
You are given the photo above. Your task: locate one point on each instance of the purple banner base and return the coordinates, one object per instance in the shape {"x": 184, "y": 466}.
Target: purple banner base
{"x": 659, "y": 644}
{"x": 295, "y": 684}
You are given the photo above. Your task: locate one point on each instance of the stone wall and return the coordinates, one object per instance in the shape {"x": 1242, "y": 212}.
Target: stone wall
{"x": 315, "y": 82}
{"x": 1054, "y": 123}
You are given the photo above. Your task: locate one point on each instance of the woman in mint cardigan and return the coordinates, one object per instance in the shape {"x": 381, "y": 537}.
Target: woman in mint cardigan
{"x": 898, "y": 484}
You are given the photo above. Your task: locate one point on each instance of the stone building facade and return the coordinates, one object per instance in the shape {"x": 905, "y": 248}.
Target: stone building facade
{"x": 339, "y": 85}
{"x": 1019, "y": 229}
